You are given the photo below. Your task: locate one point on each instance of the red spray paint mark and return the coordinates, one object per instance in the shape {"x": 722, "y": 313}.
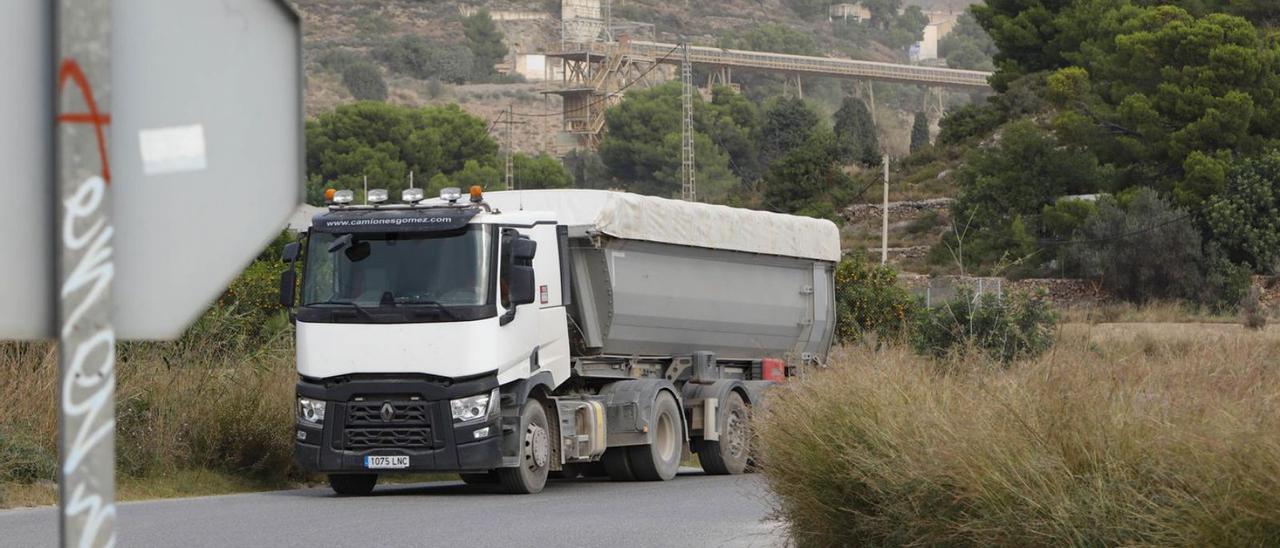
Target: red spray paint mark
{"x": 71, "y": 69}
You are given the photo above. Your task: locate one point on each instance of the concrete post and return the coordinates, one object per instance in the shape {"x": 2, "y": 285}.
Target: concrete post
{"x": 85, "y": 267}
{"x": 884, "y": 216}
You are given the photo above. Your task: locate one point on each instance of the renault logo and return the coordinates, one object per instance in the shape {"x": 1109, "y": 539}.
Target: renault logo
{"x": 388, "y": 412}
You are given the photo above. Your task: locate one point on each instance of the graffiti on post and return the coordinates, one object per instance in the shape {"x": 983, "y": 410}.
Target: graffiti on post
{"x": 88, "y": 340}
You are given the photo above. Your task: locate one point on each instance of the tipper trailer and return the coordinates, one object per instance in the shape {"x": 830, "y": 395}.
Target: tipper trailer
{"x": 510, "y": 335}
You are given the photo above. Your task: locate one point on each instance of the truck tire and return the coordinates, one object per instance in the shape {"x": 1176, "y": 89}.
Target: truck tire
{"x": 660, "y": 460}
{"x": 729, "y": 455}
{"x": 617, "y": 464}
{"x": 479, "y": 478}
{"x": 535, "y": 453}
{"x": 353, "y": 485}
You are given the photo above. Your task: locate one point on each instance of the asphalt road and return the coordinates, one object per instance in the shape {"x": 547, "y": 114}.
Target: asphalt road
{"x": 692, "y": 510}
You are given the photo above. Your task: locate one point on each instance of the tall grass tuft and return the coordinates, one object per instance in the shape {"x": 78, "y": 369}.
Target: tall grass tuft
{"x": 220, "y": 398}
{"x": 1138, "y": 442}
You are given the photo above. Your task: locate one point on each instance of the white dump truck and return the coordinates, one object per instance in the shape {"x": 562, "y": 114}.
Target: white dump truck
{"x": 510, "y": 336}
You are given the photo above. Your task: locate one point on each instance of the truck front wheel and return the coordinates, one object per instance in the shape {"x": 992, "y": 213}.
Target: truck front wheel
{"x": 535, "y": 452}
{"x": 730, "y": 454}
{"x": 353, "y": 485}
{"x": 660, "y": 459}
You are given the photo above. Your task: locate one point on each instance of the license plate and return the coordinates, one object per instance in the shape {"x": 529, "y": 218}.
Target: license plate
{"x": 384, "y": 461}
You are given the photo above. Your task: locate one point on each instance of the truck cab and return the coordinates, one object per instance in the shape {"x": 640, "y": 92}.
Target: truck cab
{"x": 409, "y": 319}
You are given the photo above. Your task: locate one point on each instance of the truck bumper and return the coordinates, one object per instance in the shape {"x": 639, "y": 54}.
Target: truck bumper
{"x": 420, "y": 426}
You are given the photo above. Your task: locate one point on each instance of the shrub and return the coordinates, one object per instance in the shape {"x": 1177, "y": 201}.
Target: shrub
{"x": 22, "y": 459}
{"x": 1252, "y": 311}
{"x": 868, "y": 300}
{"x": 968, "y": 122}
{"x": 1245, "y": 218}
{"x": 415, "y": 56}
{"x": 1141, "y": 248}
{"x": 1013, "y": 328}
{"x": 339, "y": 59}
{"x": 1119, "y": 443}
{"x": 365, "y": 82}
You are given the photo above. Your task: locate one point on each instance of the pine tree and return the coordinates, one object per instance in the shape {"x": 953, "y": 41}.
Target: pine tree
{"x": 856, "y": 133}
{"x": 920, "y": 132}
{"x": 485, "y": 41}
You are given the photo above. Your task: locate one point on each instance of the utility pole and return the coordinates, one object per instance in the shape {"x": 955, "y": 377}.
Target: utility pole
{"x": 509, "y": 177}
{"x": 884, "y": 216}
{"x": 688, "y": 182}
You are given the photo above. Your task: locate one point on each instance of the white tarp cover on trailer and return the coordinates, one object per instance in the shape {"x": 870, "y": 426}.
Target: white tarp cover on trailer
{"x": 635, "y": 217}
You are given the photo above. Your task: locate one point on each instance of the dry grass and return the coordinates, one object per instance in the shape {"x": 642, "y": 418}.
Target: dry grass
{"x": 1156, "y": 312}
{"x": 219, "y": 400}
{"x": 1103, "y": 441}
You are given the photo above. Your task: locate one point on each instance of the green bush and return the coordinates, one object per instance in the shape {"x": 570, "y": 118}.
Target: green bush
{"x": 1245, "y": 217}
{"x": 365, "y": 82}
{"x": 1140, "y": 248}
{"x": 868, "y": 300}
{"x": 1015, "y": 327}
{"x": 22, "y": 459}
{"x": 968, "y": 122}
{"x": 415, "y": 56}
{"x": 339, "y": 59}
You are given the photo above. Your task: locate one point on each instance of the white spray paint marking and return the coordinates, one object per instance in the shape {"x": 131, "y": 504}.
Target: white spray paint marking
{"x": 88, "y": 384}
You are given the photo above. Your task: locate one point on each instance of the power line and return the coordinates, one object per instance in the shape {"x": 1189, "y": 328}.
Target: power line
{"x": 1118, "y": 236}
{"x": 1111, "y": 238}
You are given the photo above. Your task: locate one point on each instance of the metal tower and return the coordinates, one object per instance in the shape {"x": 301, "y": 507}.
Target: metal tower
{"x": 688, "y": 179}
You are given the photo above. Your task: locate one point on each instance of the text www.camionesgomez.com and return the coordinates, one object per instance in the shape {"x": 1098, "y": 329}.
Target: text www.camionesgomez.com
{"x": 407, "y": 220}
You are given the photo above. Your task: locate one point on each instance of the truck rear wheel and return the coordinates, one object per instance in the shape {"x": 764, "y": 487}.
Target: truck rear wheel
{"x": 353, "y": 485}
{"x": 535, "y": 453}
{"x": 731, "y": 453}
{"x": 660, "y": 459}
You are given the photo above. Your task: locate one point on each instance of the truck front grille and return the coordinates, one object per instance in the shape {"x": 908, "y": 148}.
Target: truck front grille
{"x": 375, "y": 438}
{"x": 403, "y": 413}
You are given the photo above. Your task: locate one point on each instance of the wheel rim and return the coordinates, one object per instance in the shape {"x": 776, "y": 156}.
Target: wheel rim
{"x": 537, "y": 447}
{"x": 736, "y": 435}
{"x": 664, "y": 442}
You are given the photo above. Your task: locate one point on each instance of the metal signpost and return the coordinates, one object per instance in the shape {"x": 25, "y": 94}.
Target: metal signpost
{"x": 155, "y": 147}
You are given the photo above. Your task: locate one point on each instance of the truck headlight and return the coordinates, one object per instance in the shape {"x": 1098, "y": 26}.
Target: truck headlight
{"x": 310, "y": 410}
{"x": 476, "y": 407}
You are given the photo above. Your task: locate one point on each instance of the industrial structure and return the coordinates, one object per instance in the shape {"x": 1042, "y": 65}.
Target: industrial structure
{"x": 602, "y": 58}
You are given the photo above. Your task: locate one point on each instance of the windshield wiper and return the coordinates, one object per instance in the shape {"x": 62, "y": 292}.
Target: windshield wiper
{"x": 352, "y": 304}
{"x": 440, "y": 307}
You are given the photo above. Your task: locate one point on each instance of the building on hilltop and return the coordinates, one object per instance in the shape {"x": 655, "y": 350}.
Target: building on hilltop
{"x": 849, "y": 11}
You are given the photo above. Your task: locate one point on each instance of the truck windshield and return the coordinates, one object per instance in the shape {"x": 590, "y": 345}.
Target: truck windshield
{"x": 378, "y": 271}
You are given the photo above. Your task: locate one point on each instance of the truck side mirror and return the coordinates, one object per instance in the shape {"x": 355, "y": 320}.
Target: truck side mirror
{"x": 517, "y": 271}
{"x": 522, "y": 282}
{"x": 290, "y": 252}
{"x": 523, "y": 249}
{"x": 289, "y": 278}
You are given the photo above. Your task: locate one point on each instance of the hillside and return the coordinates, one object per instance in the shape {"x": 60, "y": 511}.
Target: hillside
{"x": 346, "y": 29}
{"x": 338, "y": 33}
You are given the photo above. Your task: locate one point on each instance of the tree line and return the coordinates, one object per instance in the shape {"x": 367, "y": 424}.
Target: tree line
{"x": 1133, "y": 141}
